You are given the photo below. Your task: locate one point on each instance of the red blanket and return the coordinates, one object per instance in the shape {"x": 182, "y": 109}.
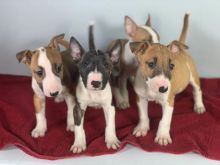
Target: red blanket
{"x": 189, "y": 131}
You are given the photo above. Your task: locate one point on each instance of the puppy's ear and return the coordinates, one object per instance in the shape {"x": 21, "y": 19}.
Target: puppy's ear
{"x": 54, "y": 41}
{"x": 24, "y": 57}
{"x": 76, "y": 50}
{"x": 176, "y": 46}
{"x": 115, "y": 52}
{"x": 139, "y": 48}
{"x": 148, "y": 22}
{"x": 130, "y": 26}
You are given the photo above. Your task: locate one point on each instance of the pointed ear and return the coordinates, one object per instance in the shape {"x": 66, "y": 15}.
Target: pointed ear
{"x": 130, "y": 26}
{"x": 139, "y": 48}
{"x": 76, "y": 50}
{"x": 176, "y": 46}
{"x": 53, "y": 42}
{"x": 148, "y": 22}
{"x": 24, "y": 57}
{"x": 115, "y": 52}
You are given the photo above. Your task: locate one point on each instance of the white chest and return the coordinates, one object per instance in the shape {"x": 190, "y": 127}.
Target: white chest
{"x": 93, "y": 98}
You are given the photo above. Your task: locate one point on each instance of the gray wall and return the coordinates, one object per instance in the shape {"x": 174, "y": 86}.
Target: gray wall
{"x": 31, "y": 23}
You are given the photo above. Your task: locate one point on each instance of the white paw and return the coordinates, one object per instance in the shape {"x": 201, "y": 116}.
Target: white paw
{"x": 112, "y": 143}
{"x": 141, "y": 130}
{"x": 163, "y": 138}
{"x": 38, "y": 132}
{"x": 70, "y": 127}
{"x": 199, "y": 109}
{"x": 123, "y": 105}
{"x": 78, "y": 147}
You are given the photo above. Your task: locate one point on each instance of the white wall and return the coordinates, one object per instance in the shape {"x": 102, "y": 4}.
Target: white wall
{"x": 28, "y": 24}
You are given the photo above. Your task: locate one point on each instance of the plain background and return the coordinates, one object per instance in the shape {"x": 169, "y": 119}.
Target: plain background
{"x": 29, "y": 24}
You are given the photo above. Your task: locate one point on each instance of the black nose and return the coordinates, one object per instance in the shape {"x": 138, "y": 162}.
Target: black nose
{"x": 96, "y": 84}
{"x": 54, "y": 94}
{"x": 163, "y": 89}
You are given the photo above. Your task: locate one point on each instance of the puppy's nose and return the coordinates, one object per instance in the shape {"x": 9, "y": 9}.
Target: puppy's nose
{"x": 96, "y": 84}
{"x": 54, "y": 94}
{"x": 162, "y": 89}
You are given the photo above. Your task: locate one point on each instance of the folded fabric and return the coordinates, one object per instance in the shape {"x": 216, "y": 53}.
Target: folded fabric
{"x": 190, "y": 132}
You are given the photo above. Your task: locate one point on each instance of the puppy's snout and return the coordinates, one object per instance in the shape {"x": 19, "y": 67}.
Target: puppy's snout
{"x": 163, "y": 89}
{"x": 54, "y": 94}
{"x": 96, "y": 84}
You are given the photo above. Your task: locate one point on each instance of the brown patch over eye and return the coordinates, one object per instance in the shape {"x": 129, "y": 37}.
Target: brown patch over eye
{"x": 40, "y": 72}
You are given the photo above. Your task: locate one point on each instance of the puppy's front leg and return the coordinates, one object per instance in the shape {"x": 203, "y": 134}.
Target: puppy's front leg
{"x": 163, "y": 133}
{"x": 110, "y": 133}
{"x": 80, "y": 138}
{"x": 70, "y": 101}
{"x": 143, "y": 125}
{"x": 41, "y": 125}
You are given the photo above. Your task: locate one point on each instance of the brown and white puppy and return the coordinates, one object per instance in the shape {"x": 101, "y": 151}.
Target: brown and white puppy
{"x": 54, "y": 74}
{"x": 126, "y": 63}
{"x": 163, "y": 72}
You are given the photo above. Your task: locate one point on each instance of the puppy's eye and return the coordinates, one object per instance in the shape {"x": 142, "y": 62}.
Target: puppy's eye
{"x": 106, "y": 64}
{"x": 151, "y": 65}
{"x": 58, "y": 68}
{"x": 40, "y": 72}
{"x": 85, "y": 63}
{"x": 171, "y": 66}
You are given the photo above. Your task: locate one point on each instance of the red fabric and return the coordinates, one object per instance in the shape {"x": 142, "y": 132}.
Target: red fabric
{"x": 189, "y": 131}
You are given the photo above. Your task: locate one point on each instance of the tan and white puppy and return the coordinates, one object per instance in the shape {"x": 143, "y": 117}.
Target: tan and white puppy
{"x": 164, "y": 71}
{"x": 54, "y": 74}
{"x": 126, "y": 63}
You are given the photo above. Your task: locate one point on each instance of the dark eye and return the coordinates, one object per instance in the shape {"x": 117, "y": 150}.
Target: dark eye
{"x": 85, "y": 63}
{"x": 151, "y": 65}
{"x": 171, "y": 66}
{"x": 58, "y": 68}
{"x": 40, "y": 72}
{"x": 106, "y": 64}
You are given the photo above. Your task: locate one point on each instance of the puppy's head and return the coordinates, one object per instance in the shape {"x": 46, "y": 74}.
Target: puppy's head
{"x": 140, "y": 33}
{"x": 157, "y": 63}
{"x": 95, "y": 66}
{"x": 46, "y": 66}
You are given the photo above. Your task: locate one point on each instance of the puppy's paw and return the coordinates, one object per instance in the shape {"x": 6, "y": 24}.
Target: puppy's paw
{"x": 70, "y": 127}
{"x": 78, "y": 147}
{"x": 38, "y": 132}
{"x": 112, "y": 143}
{"x": 199, "y": 109}
{"x": 141, "y": 130}
{"x": 123, "y": 105}
{"x": 163, "y": 138}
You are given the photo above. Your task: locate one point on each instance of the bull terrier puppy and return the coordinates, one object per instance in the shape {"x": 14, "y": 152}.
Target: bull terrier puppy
{"x": 126, "y": 63}
{"x": 164, "y": 71}
{"x": 54, "y": 74}
{"x": 93, "y": 90}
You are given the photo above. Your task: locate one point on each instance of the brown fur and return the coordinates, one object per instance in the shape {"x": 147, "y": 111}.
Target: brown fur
{"x": 38, "y": 103}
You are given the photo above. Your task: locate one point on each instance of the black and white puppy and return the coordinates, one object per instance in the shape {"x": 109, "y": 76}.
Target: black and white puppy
{"x": 93, "y": 89}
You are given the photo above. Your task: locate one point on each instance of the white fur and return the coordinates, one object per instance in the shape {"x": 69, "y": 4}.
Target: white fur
{"x": 95, "y": 98}
{"x": 163, "y": 132}
{"x": 51, "y": 83}
{"x": 93, "y": 76}
{"x": 41, "y": 126}
{"x": 129, "y": 57}
{"x": 153, "y": 34}
{"x": 197, "y": 93}
{"x": 36, "y": 88}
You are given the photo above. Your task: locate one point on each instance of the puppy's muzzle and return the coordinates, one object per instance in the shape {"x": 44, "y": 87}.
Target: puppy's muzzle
{"x": 96, "y": 84}
{"x": 163, "y": 89}
{"x": 54, "y": 94}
